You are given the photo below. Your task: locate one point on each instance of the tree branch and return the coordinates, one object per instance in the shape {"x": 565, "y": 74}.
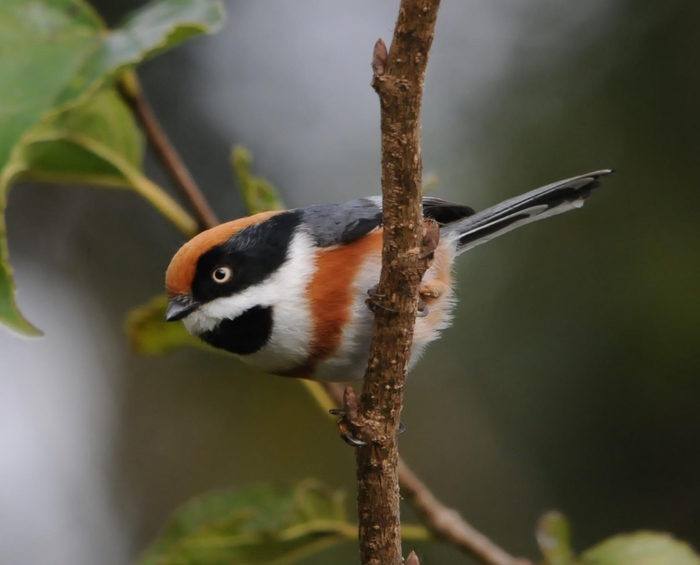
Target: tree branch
{"x": 132, "y": 93}
{"x": 408, "y": 246}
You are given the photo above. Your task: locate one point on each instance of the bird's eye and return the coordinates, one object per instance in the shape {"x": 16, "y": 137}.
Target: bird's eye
{"x": 221, "y": 275}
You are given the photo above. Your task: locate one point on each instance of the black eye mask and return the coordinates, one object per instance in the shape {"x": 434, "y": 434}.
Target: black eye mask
{"x": 253, "y": 255}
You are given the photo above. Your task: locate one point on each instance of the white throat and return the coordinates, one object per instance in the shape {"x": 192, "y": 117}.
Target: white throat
{"x": 284, "y": 291}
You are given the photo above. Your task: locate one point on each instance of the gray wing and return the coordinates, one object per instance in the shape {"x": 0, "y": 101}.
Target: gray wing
{"x": 334, "y": 224}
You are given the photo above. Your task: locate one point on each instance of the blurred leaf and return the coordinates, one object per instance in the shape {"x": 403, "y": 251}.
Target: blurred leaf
{"x": 96, "y": 143}
{"x": 641, "y": 548}
{"x": 259, "y": 195}
{"x": 54, "y": 55}
{"x": 150, "y": 334}
{"x": 258, "y": 525}
{"x": 554, "y": 539}
{"x": 50, "y": 152}
{"x": 430, "y": 182}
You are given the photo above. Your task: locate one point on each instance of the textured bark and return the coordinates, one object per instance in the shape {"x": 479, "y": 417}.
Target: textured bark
{"x": 407, "y": 250}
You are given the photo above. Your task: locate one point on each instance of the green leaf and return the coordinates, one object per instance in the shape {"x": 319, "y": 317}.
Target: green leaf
{"x": 641, "y": 548}
{"x": 96, "y": 143}
{"x": 257, "y": 525}
{"x": 50, "y": 152}
{"x": 259, "y": 195}
{"x": 150, "y": 334}
{"x": 157, "y": 27}
{"x": 55, "y": 52}
{"x": 554, "y": 539}
{"x": 55, "y": 55}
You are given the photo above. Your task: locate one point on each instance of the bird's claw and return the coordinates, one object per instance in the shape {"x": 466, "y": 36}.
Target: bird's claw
{"x": 345, "y": 433}
{"x": 429, "y": 292}
{"x": 349, "y": 417}
{"x": 374, "y": 301}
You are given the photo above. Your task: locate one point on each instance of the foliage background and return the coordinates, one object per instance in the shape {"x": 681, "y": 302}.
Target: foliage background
{"x": 570, "y": 377}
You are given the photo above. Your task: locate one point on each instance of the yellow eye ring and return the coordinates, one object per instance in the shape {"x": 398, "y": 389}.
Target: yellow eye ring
{"x": 221, "y": 275}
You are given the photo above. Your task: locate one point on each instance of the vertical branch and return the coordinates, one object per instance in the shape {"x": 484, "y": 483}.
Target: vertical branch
{"x": 407, "y": 250}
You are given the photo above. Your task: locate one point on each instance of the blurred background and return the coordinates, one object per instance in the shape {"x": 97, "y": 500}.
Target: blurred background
{"x": 570, "y": 377}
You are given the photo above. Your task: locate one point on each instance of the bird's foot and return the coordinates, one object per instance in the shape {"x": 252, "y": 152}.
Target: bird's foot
{"x": 345, "y": 432}
{"x": 375, "y": 301}
{"x": 349, "y": 417}
{"x": 429, "y": 292}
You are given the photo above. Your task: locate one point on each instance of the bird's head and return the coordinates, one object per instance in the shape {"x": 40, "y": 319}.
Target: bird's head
{"x": 220, "y": 274}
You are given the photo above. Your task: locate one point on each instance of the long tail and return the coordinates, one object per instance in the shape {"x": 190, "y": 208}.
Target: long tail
{"x": 541, "y": 203}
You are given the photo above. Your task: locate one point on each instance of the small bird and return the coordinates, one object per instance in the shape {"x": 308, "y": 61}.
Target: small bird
{"x": 286, "y": 290}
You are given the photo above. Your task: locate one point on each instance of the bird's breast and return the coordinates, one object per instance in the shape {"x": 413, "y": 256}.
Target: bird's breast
{"x": 342, "y": 322}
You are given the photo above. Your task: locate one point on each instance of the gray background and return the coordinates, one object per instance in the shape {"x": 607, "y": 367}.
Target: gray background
{"x": 570, "y": 377}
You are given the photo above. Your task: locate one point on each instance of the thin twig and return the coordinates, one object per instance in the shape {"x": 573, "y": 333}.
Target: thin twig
{"x": 446, "y": 523}
{"x": 172, "y": 162}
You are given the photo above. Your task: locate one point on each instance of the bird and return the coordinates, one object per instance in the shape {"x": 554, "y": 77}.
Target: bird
{"x": 286, "y": 291}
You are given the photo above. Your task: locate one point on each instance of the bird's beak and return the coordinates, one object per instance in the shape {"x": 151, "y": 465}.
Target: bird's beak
{"x": 179, "y": 307}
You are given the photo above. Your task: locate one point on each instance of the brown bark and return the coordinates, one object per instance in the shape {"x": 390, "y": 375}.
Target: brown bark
{"x": 407, "y": 251}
